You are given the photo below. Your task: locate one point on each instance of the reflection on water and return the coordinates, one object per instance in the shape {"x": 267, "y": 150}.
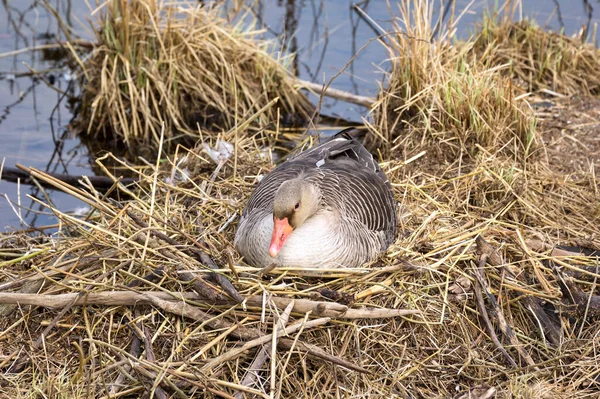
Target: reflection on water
{"x": 325, "y": 34}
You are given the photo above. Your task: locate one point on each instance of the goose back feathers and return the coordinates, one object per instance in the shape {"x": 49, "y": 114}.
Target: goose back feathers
{"x": 352, "y": 214}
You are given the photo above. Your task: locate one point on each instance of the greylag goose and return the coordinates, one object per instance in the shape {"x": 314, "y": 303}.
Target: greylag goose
{"x": 329, "y": 207}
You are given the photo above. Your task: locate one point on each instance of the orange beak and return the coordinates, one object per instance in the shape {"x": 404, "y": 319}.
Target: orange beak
{"x": 281, "y": 232}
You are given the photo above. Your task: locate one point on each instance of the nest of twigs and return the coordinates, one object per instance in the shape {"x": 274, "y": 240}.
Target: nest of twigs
{"x": 139, "y": 297}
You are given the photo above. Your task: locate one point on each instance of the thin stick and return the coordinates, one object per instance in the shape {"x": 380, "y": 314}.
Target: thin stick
{"x": 263, "y": 354}
{"x": 503, "y": 323}
{"x": 379, "y": 31}
{"x": 234, "y": 353}
{"x": 313, "y": 350}
{"x": 481, "y": 305}
{"x": 80, "y": 43}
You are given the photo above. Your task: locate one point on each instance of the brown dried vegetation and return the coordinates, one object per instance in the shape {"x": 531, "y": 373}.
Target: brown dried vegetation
{"x": 467, "y": 160}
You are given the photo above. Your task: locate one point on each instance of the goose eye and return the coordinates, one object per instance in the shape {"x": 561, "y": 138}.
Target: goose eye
{"x": 296, "y": 206}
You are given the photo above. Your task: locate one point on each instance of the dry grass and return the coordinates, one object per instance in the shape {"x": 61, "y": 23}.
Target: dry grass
{"x": 437, "y": 95}
{"x": 538, "y": 59}
{"x": 441, "y": 352}
{"x": 183, "y": 65}
{"x": 453, "y": 186}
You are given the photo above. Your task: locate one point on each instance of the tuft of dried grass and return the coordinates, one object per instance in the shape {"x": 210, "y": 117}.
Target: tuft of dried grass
{"x": 435, "y": 94}
{"x": 182, "y": 65}
{"x": 538, "y": 59}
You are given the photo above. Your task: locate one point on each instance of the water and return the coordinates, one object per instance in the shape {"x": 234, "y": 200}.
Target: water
{"x": 328, "y": 33}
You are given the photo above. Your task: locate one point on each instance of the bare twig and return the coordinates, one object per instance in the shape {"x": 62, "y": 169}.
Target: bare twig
{"x": 315, "y": 351}
{"x": 52, "y": 46}
{"x": 262, "y": 355}
{"x": 482, "y": 310}
{"x": 234, "y": 353}
{"x": 337, "y": 94}
{"x": 504, "y": 325}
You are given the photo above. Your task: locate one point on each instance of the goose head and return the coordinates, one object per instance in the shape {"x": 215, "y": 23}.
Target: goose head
{"x": 295, "y": 201}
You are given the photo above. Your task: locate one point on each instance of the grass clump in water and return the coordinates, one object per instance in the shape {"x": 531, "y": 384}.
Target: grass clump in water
{"x": 539, "y": 59}
{"x": 183, "y": 65}
{"x": 436, "y": 99}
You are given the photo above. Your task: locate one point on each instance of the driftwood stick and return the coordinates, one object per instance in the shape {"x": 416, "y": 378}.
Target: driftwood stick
{"x": 235, "y": 353}
{"x": 130, "y": 298}
{"x": 27, "y": 287}
{"x": 337, "y": 94}
{"x": 376, "y": 313}
{"x": 262, "y": 355}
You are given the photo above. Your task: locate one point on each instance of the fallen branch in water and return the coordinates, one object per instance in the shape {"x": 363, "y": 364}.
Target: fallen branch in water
{"x": 52, "y": 46}
{"x": 337, "y": 94}
{"x": 23, "y": 175}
